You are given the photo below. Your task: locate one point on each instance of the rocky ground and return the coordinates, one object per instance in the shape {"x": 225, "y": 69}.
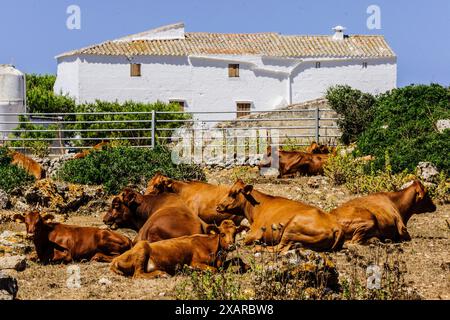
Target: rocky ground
{"x": 426, "y": 257}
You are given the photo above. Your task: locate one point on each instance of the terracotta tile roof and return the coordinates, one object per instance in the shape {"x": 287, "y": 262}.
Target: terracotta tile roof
{"x": 260, "y": 44}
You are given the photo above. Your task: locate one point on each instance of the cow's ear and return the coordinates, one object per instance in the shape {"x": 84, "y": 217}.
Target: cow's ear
{"x": 129, "y": 197}
{"x": 242, "y": 228}
{"x": 212, "y": 229}
{"x": 19, "y": 218}
{"x": 48, "y": 217}
{"x": 169, "y": 183}
{"x": 248, "y": 188}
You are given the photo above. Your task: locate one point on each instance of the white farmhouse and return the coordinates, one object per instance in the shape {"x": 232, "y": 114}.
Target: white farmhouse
{"x": 225, "y": 72}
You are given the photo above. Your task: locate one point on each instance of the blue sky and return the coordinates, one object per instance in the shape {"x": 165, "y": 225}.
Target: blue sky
{"x": 32, "y": 32}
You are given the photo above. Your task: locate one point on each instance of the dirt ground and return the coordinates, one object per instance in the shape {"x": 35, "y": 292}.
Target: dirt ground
{"x": 427, "y": 256}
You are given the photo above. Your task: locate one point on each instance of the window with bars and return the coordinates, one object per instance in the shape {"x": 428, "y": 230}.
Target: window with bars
{"x": 135, "y": 69}
{"x": 364, "y": 65}
{"x": 233, "y": 70}
{"x": 317, "y": 65}
{"x": 243, "y": 109}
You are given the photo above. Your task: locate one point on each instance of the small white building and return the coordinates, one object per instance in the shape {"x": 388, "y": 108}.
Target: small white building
{"x": 225, "y": 72}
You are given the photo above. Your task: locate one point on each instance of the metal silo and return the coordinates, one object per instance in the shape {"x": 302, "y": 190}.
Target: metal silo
{"x": 12, "y": 97}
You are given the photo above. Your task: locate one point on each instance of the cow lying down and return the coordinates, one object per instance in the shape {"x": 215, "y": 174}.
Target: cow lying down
{"x": 57, "y": 242}
{"x": 162, "y": 258}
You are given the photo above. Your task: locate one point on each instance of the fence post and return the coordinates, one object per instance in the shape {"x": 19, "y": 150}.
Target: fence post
{"x": 317, "y": 134}
{"x": 153, "y": 128}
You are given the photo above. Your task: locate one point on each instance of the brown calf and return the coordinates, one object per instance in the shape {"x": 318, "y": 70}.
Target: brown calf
{"x": 204, "y": 252}
{"x": 383, "y": 215}
{"x": 291, "y": 162}
{"x": 157, "y": 217}
{"x": 56, "y": 242}
{"x": 84, "y": 153}
{"x": 201, "y": 197}
{"x": 282, "y": 222}
{"x": 316, "y": 148}
{"x": 28, "y": 164}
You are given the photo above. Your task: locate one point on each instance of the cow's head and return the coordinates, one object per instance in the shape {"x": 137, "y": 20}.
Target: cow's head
{"x": 123, "y": 208}
{"x": 422, "y": 201}
{"x": 266, "y": 161}
{"x": 158, "y": 184}
{"x": 235, "y": 200}
{"x": 227, "y": 232}
{"x": 33, "y": 221}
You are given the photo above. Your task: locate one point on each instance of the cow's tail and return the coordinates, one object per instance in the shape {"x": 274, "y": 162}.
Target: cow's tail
{"x": 339, "y": 238}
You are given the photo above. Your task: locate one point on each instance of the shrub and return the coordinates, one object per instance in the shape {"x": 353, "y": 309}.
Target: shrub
{"x": 117, "y": 167}
{"x": 40, "y": 96}
{"x": 361, "y": 177}
{"x": 355, "y": 109}
{"x": 205, "y": 285}
{"x": 405, "y": 124}
{"x": 138, "y": 137}
{"x": 39, "y": 146}
{"x": 11, "y": 176}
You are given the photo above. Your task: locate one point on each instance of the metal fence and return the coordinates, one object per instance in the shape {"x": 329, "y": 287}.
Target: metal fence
{"x": 60, "y": 133}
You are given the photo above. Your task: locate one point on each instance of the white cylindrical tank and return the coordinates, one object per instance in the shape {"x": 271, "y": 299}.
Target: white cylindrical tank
{"x": 12, "y": 97}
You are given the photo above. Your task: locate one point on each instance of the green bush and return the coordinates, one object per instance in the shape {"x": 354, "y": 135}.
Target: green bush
{"x": 360, "y": 176}
{"x": 39, "y": 146}
{"x": 138, "y": 137}
{"x": 355, "y": 109}
{"x": 40, "y": 96}
{"x": 404, "y": 124}
{"x": 11, "y": 176}
{"x": 117, "y": 167}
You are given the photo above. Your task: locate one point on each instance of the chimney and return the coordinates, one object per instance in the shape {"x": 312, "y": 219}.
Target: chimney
{"x": 338, "y": 33}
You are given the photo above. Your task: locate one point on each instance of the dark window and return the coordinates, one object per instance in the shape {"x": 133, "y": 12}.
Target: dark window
{"x": 181, "y": 103}
{"x": 317, "y": 65}
{"x": 233, "y": 70}
{"x": 135, "y": 69}
{"x": 364, "y": 65}
{"x": 243, "y": 109}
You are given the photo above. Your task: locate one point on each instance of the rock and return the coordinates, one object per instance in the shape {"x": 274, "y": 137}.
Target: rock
{"x": 245, "y": 223}
{"x": 21, "y": 206}
{"x": 442, "y": 125}
{"x": 269, "y": 172}
{"x": 314, "y": 182}
{"x": 105, "y": 282}
{"x": 13, "y": 243}
{"x": 5, "y": 202}
{"x": 61, "y": 197}
{"x": 427, "y": 172}
{"x": 8, "y": 287}
{"x": 18, "y": 263}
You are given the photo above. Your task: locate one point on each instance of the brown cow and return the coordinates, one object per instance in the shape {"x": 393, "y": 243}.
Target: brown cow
{"x": 204, "y": 252}
{"x": 56, "y": 242}
{"x": 383, "y": 215}
{"x": 157, "y": 217}
{"x": 85, "y": 152}
{"x": 291, "y": 162}
{"x": 316, "y": 148}
{"x": 282, "y": 222}
{"x": 28, "y": 164}
{"x": 201, "y": 197}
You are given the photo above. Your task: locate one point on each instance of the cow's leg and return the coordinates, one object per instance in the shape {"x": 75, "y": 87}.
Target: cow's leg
{"x": 402, "y": 230}
{"x": 151, "y": 275}
{"x": 203, "y": 267}
{"x": 61, "y": 256}
{"x": 101, "y": 257}
{"x": 364, "y": 232}
{"x": 253, "y": 236}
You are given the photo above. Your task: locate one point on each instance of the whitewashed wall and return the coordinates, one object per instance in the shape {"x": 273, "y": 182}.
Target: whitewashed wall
{"x": 204, "y": 84}
{"x": 309, "y": 82}
{"x": 67, "y": 80}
